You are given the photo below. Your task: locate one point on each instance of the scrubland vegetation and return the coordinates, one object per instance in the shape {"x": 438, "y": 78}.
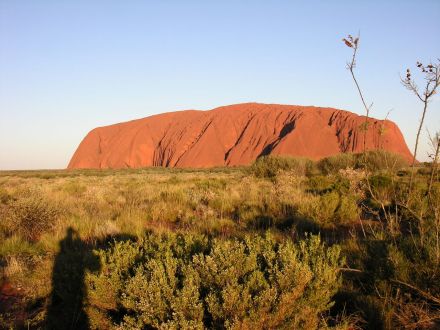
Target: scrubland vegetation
{"x": 283, "y": 244}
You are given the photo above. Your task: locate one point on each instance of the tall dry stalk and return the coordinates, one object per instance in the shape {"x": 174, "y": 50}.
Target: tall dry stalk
{"x": 353, "y": 42}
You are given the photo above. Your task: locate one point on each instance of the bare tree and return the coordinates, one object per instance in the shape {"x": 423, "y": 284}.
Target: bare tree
{"x": 431, "y": 73}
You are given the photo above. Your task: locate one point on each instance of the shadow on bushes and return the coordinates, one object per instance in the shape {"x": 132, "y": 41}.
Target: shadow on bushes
{"x": 66, "y": 306}
{"x": 300, "y": 227}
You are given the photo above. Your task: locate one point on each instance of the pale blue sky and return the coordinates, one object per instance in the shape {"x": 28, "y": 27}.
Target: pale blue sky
{"x": 69, "y": 66}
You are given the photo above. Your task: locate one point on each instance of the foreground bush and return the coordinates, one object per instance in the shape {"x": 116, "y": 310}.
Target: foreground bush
{"x": 177, "y": 281}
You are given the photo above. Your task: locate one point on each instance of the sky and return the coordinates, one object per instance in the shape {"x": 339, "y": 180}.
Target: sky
{"x": 67, "y": 67}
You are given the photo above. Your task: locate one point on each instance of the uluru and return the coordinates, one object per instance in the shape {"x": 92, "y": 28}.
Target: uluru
{"x": 234, "y": 135}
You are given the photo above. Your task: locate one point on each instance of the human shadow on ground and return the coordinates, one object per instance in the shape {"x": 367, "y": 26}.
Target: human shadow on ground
{"x": 66, "y": 308}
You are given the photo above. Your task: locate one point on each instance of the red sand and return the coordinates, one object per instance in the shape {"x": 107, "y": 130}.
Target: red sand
{"x": 233, "y": 135}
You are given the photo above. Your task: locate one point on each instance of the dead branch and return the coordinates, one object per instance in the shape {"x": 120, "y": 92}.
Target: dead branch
{"x": 422, "y": 293}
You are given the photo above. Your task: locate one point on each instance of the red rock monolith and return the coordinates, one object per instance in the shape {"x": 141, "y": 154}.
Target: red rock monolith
{"x": 234, "y": 135}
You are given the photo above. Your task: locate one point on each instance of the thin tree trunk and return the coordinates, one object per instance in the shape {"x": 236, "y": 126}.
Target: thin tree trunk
{"x": 434, "y": 165}
{"x": 367, "y": 111}
{"x": 416, "y": 146}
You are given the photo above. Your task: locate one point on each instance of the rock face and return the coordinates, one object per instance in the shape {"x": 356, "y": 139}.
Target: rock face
{"x": 233, "y": 135}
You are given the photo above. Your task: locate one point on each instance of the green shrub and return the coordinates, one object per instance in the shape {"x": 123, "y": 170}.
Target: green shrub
{"x": 320, "y": 184}
{"x": 178, "y": 281}
{"x": 375, "y": 160}
{"x": 270, "y": 166}
{"x": 382, "y": 188}
{"x": 330, "y": 209}
{"x": 334, "y": 164}
{"x": 330, "y": 201}
{"x": 379, "y": 160}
